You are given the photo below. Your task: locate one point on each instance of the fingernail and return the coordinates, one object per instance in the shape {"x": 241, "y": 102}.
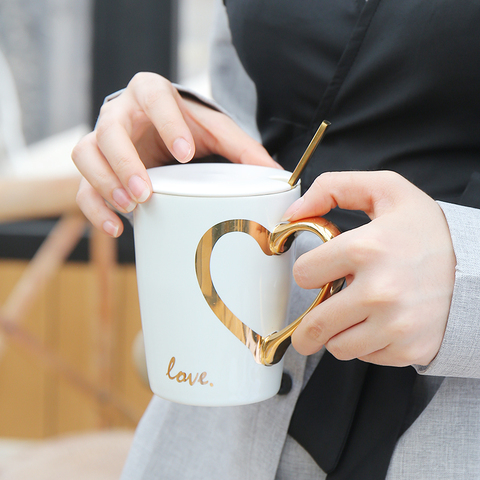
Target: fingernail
{"x": 181, "y": 149}
{"x": 292, "y": 209}
{"x": 110, "y": 228}
{"x": 139, "y": 188}
{"x": 123, "y": 200}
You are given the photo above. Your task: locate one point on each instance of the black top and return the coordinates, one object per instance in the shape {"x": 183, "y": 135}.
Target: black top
{"x": 399, "y": 81}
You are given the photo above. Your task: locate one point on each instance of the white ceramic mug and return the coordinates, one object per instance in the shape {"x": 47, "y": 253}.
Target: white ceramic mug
{"x": 214, "y": 277}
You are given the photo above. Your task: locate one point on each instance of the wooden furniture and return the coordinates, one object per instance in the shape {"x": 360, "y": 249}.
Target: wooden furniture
{"x": 66, "y": 330}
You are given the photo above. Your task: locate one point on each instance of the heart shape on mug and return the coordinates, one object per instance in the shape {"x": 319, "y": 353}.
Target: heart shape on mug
{"x": 270, "y": 349}
{"x": 203, "y": 255}
{"x": 254, "y": 286}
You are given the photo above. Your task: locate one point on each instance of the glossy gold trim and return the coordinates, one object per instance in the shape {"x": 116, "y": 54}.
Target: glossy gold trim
{"x": 270, "y": 349}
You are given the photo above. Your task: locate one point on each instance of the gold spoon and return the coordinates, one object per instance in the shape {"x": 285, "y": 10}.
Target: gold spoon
{"x": 308, "y": 153}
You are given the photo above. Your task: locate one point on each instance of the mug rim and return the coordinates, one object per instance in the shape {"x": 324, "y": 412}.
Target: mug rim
{"x": 219, "y": 180}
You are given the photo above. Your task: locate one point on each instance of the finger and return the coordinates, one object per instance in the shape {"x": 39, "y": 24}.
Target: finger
{"x": 239, "y": 147}
{"x": 335, "y": 315}
{"x": 382, "y": 357}
{"x": 248, "y": 152}
{"x": 360, "y": 341}
{"x": 159, "y": 99}
{"x": 388, "y": 356}
{"x": 340, "y": 257}
{"x": 94, "y": 167}
{"x": 147, "y": 98}
{"x": 401, "y": 350}
{"x": 370, "y": 192}
{"x": 117, "y": 148}
{"x": 217, "y": 133}
{"x": 95, "y": 209}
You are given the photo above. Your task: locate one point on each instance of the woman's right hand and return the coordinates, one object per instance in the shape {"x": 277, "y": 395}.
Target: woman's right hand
{"x": 150, "y": 125}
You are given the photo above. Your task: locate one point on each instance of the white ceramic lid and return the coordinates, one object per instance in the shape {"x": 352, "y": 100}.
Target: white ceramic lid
{"x": 218, "y": 180}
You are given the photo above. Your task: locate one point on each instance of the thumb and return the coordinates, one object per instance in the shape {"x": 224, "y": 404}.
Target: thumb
{"x": 374, "y": 193}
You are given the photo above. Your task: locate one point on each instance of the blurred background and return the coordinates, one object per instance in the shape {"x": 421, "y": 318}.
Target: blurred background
{"x": 72, "y": 376}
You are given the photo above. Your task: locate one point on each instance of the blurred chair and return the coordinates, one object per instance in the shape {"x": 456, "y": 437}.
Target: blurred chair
{"x": 40, "y": 181}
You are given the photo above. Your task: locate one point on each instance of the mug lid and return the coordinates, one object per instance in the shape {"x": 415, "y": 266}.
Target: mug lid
{"x": 218, "y": 180}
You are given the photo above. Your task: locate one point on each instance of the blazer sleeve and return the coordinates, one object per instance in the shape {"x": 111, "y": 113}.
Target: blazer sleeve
{"x": 459, "y": 354}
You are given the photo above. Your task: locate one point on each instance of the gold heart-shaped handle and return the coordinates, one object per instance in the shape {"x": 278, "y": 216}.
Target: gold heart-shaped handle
{"x": 270, "y": 349}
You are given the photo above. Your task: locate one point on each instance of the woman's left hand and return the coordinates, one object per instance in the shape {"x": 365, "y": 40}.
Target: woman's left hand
{"x": 400, "y": 271}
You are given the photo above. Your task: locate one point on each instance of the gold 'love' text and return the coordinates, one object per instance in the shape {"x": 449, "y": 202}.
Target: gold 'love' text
{"x": 183, "y": 377}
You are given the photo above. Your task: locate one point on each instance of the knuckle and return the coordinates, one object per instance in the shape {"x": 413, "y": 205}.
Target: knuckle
{"x": 105, "y": 122}
{"x": 319, "y": 183}
{"x": 153, "y": 97}
{"x": 101, "y": 183}
{"x": 122, "y": 164}
{"x": 102, "y": 180}
{"x": 382, "y": 292}
{"x": 391, "y": 183}
{"x": 79, "y": 151}
{"x": 139, "y": 78}
{"x": 156, "y": 93}
{"x": 83, "y": 147}
{"x": 400, "y": 328}
{"x": 391, "y": 177}
{"x": 324, "y": 178}
{"x": 314, "y": 331}
{"x": 104, "y": 109}
{"x": 144, "y": 78}
{"x": 166, "y": 128}
{"x": 107, "y": 114}
{"x": 150, "y": 88}
{"x": 82, "y": 196}
{"x": 364, "y": 250}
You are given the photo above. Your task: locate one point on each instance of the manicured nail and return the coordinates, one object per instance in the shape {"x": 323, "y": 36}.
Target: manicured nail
{"x": 181, "y": 149}
{"x": 292, "y": 209}
{"x": 139, "y": 188}
{"x": 110, "y": 228}
{"x": 123, "y": 200}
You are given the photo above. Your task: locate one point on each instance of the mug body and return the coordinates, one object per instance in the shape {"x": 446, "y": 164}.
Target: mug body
{"x": 192, "y": 357}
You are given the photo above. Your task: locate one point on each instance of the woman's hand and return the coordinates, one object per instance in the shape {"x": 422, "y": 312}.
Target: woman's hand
{"x": 400, "y": 271}
{"x": 149, "y": 125}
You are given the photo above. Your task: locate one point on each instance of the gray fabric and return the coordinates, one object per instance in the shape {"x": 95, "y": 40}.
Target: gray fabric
{"x": 231, "y": 86}
{"x": 442, "y": 444}
{"x": 458, "y": 356}
{"x": 176, "y": 442}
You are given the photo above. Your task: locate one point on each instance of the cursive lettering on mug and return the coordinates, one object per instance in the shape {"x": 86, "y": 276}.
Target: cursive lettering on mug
{"x": 184, "y": 377}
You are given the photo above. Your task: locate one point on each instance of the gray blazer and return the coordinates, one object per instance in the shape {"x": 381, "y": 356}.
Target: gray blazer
{"x": 178, "y": 442}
